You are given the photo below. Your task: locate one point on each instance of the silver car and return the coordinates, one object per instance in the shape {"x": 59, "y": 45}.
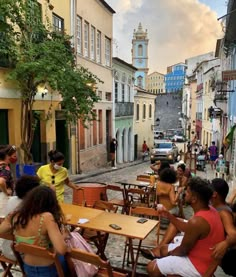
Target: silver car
{"x": 165, "y": 150}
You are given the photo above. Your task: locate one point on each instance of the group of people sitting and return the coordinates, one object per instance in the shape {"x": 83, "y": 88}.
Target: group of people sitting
{"x": 208, "y": 234}
{"x": 30, "y": 211}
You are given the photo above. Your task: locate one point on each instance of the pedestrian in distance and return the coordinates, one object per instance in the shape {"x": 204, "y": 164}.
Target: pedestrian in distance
{"x": 213, "y": 151}
{"x": 145, "y": 150}
{"x": 54, "y": 175}
{"x": 113, "y": 147}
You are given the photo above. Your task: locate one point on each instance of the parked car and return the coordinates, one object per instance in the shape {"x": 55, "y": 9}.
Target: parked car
{"x": 178, "y": 138}
{"x": 164, "y": 150}
{"x": 158, "y": 134}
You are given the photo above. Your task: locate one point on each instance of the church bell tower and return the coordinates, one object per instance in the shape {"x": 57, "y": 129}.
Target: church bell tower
{"x": 140, "y": 56}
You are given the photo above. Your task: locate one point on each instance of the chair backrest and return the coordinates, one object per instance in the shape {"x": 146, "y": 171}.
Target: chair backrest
{"x": 92, "y": 259}
{"x": 143, "y": 178}
{"x": 104, "y": 205}
{"x": 117, "y": 189}
{"x": 144, "y": 211}
{"x": 37, "y": 251}
{"x": 138, "y": 197}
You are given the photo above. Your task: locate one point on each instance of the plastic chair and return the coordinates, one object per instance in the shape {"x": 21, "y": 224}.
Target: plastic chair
{"x": 23, "y": 248}
{"x": 104, "y": 267}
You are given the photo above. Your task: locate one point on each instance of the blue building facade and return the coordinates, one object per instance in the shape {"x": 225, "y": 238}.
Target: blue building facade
{"x": 140, "y": 56}
{"x": 174, "y": 79}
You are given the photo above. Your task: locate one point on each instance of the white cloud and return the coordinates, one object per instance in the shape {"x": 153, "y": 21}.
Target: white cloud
{"x": 177, "y": 29}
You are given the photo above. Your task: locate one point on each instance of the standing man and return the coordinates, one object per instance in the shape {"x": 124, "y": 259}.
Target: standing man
{"x": 202, "y": 232}
{"x": 113, "y": 146}
{"x": 213, "y": 150}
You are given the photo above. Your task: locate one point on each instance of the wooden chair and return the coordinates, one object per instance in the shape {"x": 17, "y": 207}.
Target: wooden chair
{"x": 99, "y": 239}
{"x": 137, "y": 197}
{"x": 7, "y": 263}
{"x": 104, "y": 267}
{"x": 119, "y": 200}
{"x": 144, "y": 212}
{"x": 35, "y": 250}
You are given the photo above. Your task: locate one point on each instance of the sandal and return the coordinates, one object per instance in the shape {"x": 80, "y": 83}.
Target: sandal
{"x": 148, "y": 254}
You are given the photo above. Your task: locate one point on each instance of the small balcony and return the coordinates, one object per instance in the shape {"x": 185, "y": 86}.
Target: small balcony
{"x": 124, "y": 109}
{"x": 221, "y": 96}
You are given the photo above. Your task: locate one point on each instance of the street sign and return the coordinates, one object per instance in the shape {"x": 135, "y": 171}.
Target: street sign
{"x": 229, "y": 75}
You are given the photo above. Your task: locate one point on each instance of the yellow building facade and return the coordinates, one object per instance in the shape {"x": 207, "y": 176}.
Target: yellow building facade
{"x": 144, "y": 109}
{"x": 156, "y": 83}
{"x": 90, "y": 25}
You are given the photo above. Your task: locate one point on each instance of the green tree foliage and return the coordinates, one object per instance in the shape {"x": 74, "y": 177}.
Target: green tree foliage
{"x": 37, "y": 55}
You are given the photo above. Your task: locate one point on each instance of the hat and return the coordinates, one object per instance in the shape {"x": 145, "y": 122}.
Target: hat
{"x": 221, "y": 156}
{"x": 181, "y": 162}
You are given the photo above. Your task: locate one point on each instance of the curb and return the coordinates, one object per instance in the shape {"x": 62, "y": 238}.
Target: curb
{"x": 77, "y": 178}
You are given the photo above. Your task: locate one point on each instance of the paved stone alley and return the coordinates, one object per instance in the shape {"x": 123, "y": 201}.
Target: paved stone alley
{"x": 115, "y": 246}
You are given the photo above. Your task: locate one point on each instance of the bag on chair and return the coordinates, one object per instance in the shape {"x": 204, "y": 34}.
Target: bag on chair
{"x": 82, "y": 268}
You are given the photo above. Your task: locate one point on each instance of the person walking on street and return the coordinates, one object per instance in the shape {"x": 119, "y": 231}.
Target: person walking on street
{"x": 145, "y": 150}
{"x": 113, "y": 146}
{"x": 213, "y": 154}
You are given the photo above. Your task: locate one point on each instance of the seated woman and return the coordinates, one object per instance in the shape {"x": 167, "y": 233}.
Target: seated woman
{"x": 165, "y": 189}
{"x": 38, "y": 220}
{"x": 158, "y": 166}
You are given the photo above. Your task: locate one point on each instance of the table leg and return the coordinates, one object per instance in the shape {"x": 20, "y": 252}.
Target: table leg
{"x": 134, "y": 260}
{"x": 102, "y": 242}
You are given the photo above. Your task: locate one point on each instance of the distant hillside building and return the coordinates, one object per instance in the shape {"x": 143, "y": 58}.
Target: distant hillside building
{"x": 174, "y": 79}
{"x": 140, "y": 56}
{"x": 156, "y": 83}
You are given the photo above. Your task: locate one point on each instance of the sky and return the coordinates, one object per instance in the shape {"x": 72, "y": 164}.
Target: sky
{"x": 177, "y": 29}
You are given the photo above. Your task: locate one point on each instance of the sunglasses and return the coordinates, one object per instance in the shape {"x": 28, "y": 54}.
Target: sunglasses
{"x": 12, "y": 149}
{"x": 53, "y": 179}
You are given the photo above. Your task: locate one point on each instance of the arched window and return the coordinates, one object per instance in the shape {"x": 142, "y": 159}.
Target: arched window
{"x": 144, "y": 111}
{"x": 150, "y": 111}
{"x": 137, "y": 112}
{"x": 140, "y": 50}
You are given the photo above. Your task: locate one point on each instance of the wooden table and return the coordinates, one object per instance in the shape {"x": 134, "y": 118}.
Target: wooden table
{"x": 78, "y": 212}
{"x": 133, "y": 182}
{"x": 129, "y": 229}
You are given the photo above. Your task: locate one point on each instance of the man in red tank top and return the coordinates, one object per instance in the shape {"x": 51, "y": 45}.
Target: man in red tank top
{"x": 202, "y": 232}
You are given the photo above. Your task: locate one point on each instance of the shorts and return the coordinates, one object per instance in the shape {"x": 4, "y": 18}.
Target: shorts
{"x": 171, "y": 266}
{"x": 213, "y": 158}
{"x": 40, "y": 271}
{"x": 46, "y": 271}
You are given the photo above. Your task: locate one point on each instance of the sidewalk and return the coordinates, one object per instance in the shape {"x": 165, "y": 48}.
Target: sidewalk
{"x": 86, "y": 174}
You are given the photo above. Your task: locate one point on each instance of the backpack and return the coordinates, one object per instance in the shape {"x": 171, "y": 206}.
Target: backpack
{"x": 81, "y": 268}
